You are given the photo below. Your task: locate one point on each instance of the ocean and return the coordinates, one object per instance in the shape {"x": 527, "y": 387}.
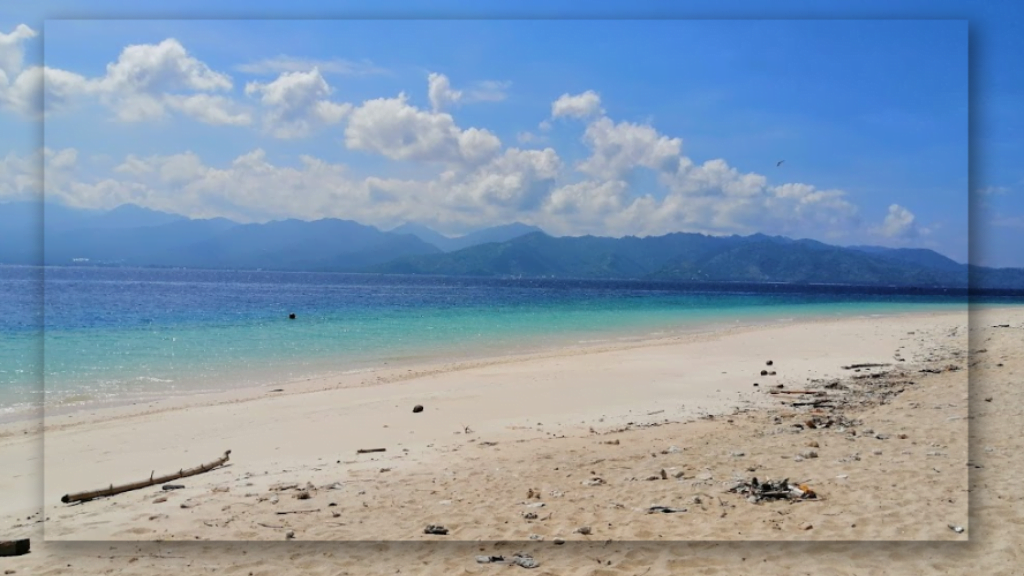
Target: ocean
{"x": 112, "y": 335}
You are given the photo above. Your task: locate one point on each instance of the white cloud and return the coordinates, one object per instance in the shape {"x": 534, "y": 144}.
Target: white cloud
{"x": 11, "y": 52}
{"x": 145, "y": 82}
{"x": 19, "y": 177}
{"x": 899, "y": 223}
{"x": 618, "y": 148}
{"x": 442, "y": 95}
{"x": 395, "y": 129}
{"x": 477, "y": 181}
{"x": 992, "y": 190}
{"x": 147, "y": 79}
{"x": 281, "y": 64}
{"x": 440, "y": 91}
{"x": 579, "y": 106}
{"x": 20, "y": 89}
{"x": 296, "y": 103}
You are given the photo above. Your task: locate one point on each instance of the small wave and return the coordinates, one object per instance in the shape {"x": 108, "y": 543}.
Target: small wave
{"x": 359, "y": 370}
{"x": 152, "y": 379}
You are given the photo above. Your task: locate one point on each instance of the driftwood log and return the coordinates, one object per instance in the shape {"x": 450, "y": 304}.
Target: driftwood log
{"x": 15, "y": 547}
{"x": 83, "y": 496}
{"x": 370, "y": 450}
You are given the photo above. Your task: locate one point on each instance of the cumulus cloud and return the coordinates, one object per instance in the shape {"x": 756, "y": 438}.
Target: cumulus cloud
{"x": 618, "y": 148}
{"x": 899, "y": 223}
{"x": 20, "y": 177}
{"x": 440, "y": 92}
{"x": 442, "y": 95}
{"x": 394, "y": 128}
{"x": 144, "y": 83}
{"x": 11, "y": 52}
{"x": 20, "y": 89}
{"x": 296, "y": 103}
{"x": 478, "y": 181}
{"x": 579, "y": 106}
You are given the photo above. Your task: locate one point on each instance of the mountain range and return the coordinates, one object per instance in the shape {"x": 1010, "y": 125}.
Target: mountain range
{"x": 134, "y": 236}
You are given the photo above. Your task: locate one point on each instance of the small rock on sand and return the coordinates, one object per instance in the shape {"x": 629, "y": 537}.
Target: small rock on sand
{"x": 417, "y": 409}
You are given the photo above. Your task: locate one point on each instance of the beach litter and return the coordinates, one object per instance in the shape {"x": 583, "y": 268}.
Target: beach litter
{"x": 664, "y": 510}
{"x": 436, "y": 529}
{"x": 957, "y": 529}
{"x": 782, "y": 490}
{"x": 517, "y": 559}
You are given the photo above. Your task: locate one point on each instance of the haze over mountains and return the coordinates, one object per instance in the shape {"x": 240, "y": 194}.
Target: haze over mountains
{"x": 133, "y": 236}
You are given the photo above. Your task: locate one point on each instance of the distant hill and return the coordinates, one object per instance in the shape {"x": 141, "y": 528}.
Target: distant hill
{"x": 689, "y": 257}
{"x": 448, "y": 244}
{"x": 134, "y": 236}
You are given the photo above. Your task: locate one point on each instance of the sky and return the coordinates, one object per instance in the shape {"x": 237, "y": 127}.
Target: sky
{"x": 606, "y": 127}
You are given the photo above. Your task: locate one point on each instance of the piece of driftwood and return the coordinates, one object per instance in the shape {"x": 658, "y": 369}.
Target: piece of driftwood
{"x": 864, "y": 365}
{"x": 83, "y": 496}
{"x": 14, "y": 547}
{"x": 815, "y": 392}
{"x": 368, "y": 450}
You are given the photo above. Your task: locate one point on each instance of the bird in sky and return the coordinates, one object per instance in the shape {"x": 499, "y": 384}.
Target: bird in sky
{"x": 779, "y": 163}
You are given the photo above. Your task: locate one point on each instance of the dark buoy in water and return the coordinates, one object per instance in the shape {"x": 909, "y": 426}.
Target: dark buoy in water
{"x": 291, "y": 316}
{"x": 417, "y": 409}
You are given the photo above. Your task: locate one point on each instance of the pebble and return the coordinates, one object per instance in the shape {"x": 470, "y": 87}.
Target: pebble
{"x": 806, "y": 526}
{"x": 809, "y": 454}
{"x": 289, "y": 535}
{"x": 559, "y": 541}
{"x": 417, "y": 409}
{"x": 584, "y": 530}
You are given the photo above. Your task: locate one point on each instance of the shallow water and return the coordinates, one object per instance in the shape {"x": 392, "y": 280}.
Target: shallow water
{"x": 121, "y": 333}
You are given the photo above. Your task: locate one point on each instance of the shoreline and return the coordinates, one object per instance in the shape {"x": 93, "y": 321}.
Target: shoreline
{"x": 62, "y": 417}
{"x": 512, "y": 405}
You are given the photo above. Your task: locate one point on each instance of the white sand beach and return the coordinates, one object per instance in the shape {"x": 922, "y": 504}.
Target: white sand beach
{"x": 896, "y": 469}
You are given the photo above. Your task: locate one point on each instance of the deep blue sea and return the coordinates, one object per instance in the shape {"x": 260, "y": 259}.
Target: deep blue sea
{"x": 122, "y": 334}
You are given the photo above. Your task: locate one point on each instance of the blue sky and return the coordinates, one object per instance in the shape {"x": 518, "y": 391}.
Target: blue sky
{"x": 606, "y": 127}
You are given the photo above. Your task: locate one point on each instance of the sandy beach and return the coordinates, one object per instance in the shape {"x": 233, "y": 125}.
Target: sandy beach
{"x": 512, "y": 455}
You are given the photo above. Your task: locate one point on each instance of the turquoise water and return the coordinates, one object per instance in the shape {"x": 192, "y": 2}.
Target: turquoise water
{"x": 118, "y": 335}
